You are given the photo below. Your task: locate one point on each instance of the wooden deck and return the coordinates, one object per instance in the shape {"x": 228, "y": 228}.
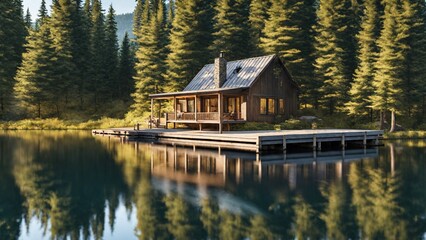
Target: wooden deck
{"x": 249, "y": 140}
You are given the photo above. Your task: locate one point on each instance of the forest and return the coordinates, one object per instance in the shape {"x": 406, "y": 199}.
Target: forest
{"x": 355, "y": 60}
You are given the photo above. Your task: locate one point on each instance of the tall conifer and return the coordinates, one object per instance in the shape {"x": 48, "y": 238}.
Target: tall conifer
{"x": 362, "y": 86}
{"x": 42, "y": 14}
{"x": 28, "y": 20}
{"x": 150, "y": 57}
{"x": 334, "y": 52}
{"x": 97, "y": 44}
{"x": 387, "y": 79}
{"x": 61, "y": 27}
{"x": 412, "y": 37}
{"x": 34, "y": 90}
{"x": 189, "y": 41}
{"x": 111, "y": 53}
{"x": 12, "y": 37}
{"x": 257, "y": 18}
{"x": 232, "y": 31}
{"x": 125, "y": 70}
{"x": 137, "y": 17}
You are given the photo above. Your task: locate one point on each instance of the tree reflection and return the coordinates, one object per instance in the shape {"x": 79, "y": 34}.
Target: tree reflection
{"x": 210, "y": 217}
{"x": 376, "y": 196}
{"x": 306, "y": 220}
{"x": 181, "y": 220}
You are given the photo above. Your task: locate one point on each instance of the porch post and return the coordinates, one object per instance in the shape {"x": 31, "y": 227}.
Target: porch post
{"x": 195, "y": 106}
{"x": 175, "y": 110}
{"x": 220, "y": 108}
{"x": 152, "y": 113}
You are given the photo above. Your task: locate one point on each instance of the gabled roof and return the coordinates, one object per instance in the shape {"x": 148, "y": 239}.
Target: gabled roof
{"x": 240, "y": 74}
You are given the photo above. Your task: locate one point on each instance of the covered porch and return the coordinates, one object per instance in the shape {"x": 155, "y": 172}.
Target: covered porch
{"x": 217, "y": 107}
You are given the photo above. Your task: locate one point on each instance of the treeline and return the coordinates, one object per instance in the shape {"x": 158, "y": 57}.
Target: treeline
{"x": 72, "y": 64}
{"x": 361, "y": 58}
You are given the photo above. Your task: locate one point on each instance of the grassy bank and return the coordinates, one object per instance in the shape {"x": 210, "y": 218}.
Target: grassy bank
{"x": 58, "y": 124}
{"x": 411, "y": 134}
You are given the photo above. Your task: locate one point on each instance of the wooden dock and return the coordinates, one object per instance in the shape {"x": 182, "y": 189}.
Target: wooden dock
{"x": 257, "y": 141}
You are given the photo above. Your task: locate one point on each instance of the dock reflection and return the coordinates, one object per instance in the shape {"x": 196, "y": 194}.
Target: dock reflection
{"x": 216, "y": 168}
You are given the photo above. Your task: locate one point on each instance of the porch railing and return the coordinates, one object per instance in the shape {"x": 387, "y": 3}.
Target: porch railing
{"x": 202, "y": 116}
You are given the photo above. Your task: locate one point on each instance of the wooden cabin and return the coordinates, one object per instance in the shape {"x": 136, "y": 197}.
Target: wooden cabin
{"x": 258, "y": 89}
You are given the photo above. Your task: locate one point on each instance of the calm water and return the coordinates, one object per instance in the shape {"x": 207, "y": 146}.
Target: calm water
{"x": 70, "y": 185}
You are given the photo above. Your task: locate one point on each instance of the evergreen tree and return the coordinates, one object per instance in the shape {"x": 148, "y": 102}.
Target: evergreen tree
{"x": 61, "y": 27}
{"x": 97, "y": 41}
{"x": 170, "y": 15}
{"x": 12, "y": 38}
{"x": 387, "y": 79}
{"x": 257, "y": 18}
{"x": 34, "y": 88}
{"x": 42, "y": 14}
{"x": 189, "y": 39}
{"x": 81, "y": 51}
{"x": 27, "y": 19}
{"x": 362, "y": 86}
{"x": 232, "y": 31}
{"x": 286, "y": 34}
{"x": 412, "y": 37}
{"x": 334, "y": 52}
{"x": 125, "y": 70}
{"x": 111, "y": 53}
{"x": 137, "y": 17}
{"x": 150, "y": 57}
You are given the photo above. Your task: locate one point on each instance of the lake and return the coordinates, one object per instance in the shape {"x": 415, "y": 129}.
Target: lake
{"x": 71, "y": 185}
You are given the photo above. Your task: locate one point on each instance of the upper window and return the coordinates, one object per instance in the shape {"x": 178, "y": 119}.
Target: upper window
{"x": 267, "y": 106}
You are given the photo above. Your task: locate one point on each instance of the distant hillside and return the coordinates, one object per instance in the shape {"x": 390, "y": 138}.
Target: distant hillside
{"x": 124, "y": 24}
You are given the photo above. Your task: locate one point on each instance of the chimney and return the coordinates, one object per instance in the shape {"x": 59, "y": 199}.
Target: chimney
{"x": 220, "y": 70}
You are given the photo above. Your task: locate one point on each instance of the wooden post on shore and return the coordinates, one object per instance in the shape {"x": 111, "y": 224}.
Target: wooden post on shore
{"x": 152, "y": 113}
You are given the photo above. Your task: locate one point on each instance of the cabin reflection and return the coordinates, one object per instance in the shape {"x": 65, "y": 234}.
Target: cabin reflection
{"x": 216, "y": 168}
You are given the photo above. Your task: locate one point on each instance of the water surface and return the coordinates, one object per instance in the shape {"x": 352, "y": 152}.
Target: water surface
{"x": 70, "y": 185}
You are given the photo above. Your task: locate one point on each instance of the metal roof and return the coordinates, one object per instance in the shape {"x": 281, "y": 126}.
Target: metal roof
{"x": 249, "y": 70}
{"x": 198, "y": 92}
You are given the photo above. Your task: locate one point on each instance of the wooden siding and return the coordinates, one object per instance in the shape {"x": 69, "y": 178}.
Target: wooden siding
{"x": 275, "y": 83}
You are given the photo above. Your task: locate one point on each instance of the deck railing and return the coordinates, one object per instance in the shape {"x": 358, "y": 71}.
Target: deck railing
{"x": 202, "y": 116}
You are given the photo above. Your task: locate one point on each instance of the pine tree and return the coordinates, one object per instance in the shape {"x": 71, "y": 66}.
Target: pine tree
{"x": 286, "y": 34}
{"x": 170, "y": 15}
{"x": 42, "y": 14}
{"x": 232, "y": 31}
{"x": 12, "y": 38}
{"x": 61, "y": 27}
{"x": 189, "y": 39}
{"x": 137, "y": 17}
{"x": 81, "y": 51}
{"x": 412, "y": 37}
{"x": 387, "y": 79}
{"x": 34, "y": 88}
{"x": 97, "y": 41}
{"x": 111, "y": 54}
{"x": 257, "y": 18}
{"x": 362, "y": 86}
{"x": 27, "y": 19}
{"x": 150, "y": 57}
{"x": 125, "y": 70}
{"x": 334, "y": 52}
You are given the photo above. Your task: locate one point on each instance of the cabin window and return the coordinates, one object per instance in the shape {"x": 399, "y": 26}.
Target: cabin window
{"x": 267, "y": 106}
{"x": 263, "y": 106}
{"x": 282, "y": 106}
{"x": 233, "y": 104}
{"x": 191, "y": 105}
{"x": 210, "y": 105}
{"x": 181, "y": 105}
{"x": 271, "y": 106}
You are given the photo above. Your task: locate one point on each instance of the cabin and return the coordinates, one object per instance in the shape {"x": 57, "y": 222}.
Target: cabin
{"x": 258, "y": 89}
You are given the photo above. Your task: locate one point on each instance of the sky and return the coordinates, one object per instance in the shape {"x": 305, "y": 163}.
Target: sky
{"x": 120, "y": 6}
